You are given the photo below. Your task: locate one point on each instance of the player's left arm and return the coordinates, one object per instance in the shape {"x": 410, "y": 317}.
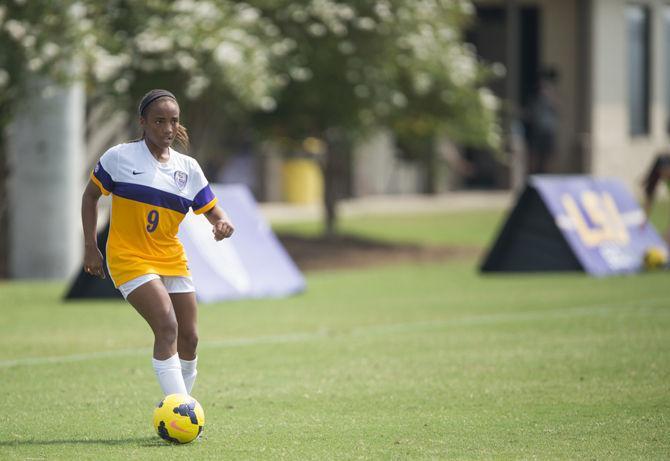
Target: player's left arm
{"x": 222, "y": 225}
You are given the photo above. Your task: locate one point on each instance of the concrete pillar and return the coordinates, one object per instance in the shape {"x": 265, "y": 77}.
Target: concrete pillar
{"x": 46, "y": 162}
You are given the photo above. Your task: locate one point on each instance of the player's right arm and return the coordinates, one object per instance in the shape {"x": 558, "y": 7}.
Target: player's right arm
{"x": 89, "y": 217}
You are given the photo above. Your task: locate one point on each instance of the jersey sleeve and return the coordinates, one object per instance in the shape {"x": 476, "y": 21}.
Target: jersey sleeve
{"x": 104, "y": 171}
{"x": 204, "y": 199}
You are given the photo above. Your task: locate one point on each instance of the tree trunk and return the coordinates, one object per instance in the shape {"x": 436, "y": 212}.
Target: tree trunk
{"x": 330, "y": 193}
{"x": 435, "y": 168}
{"x": 335, "y": 166}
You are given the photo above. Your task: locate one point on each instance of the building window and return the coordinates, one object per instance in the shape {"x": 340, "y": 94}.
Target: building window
{"x": 638, "y": 25}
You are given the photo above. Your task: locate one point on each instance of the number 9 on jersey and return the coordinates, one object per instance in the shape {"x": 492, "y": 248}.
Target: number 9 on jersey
{"x": 152, "y": 220}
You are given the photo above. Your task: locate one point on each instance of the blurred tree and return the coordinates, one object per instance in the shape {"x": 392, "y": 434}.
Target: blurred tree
{"x": 356, "y": 65}
{"x": 217, "y": 55}
{"x": 118, "y": 43}
{"x": 37, "y": 37}
{"x": 218, "y": 52}
{"x": 297, "y": 68}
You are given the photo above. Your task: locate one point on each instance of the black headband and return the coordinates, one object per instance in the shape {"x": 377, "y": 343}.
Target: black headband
{"x": 151, "y": 96}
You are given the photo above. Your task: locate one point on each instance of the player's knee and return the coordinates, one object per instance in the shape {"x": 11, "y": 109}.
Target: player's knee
{"x": 166, "y": 332}
{"x": 189, "y": 340}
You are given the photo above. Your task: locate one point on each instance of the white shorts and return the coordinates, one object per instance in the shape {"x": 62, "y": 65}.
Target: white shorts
{"x": 173, "y": 284}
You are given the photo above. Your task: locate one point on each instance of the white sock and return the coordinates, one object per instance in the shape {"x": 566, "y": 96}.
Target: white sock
{"x": 169, "y": 376}
{"x": 189, "y": 372}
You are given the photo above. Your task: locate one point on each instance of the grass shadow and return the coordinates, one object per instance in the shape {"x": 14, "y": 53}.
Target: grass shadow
{"x": 142, "y": 441}
{"x": 345, "y": 251}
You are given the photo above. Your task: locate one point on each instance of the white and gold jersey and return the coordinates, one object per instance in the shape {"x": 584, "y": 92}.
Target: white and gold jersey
{"x": 149, "y": 200}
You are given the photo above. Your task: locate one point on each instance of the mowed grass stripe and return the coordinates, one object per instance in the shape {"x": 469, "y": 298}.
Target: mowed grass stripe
{"x": 407, "y": 362}
{"x": 635, "y": 307}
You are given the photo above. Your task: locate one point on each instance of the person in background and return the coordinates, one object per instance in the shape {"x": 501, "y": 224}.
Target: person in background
{"x": 659, "y": 172}
{"x": 542, "y": 119}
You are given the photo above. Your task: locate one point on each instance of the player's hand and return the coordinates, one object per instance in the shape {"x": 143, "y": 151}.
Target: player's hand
{"x": 222, "y": 229}
{"x": 93, "y": 262}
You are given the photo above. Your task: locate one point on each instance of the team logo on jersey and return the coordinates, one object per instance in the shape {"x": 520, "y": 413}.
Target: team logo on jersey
{"x": 180, "y": 178}
{"x": 97, "y": 167}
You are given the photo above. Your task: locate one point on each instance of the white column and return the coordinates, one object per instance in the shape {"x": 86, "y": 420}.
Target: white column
{"x": 46, "y": 162}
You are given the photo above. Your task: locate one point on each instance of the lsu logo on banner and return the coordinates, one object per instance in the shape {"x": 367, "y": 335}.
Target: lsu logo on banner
{"x": 601, "y": 221}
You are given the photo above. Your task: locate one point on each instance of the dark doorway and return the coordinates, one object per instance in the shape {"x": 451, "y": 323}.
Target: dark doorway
{"x": 489, "y": 35}
{"x": 529, "y": 53}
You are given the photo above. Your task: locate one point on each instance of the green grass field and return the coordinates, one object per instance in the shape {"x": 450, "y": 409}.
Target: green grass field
{"x": 474, "y": 228}
{"x": 401, "y": 362}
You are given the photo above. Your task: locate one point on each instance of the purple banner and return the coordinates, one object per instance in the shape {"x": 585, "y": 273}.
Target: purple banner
{"x": 251, "y": 264}
{"x": 601, "y": 221}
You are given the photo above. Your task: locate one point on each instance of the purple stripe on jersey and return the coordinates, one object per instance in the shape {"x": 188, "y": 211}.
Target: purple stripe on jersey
{"x": 152, "y": 196}
{"x": 203, "y": 197}
{"x": 104, "y": 177}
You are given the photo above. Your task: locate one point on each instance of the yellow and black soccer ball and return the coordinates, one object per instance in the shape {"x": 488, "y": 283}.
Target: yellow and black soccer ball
{"x": 655, "y": 258}
{"x": 179, "y": 418}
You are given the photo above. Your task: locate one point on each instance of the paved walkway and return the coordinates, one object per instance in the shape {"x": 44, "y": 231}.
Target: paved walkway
{"x": 392, "y": 204}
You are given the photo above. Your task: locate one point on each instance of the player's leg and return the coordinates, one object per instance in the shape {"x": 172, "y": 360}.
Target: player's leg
{"x": 182, "y": 294}
{"x": 152, "y": 301}
{"x": 186, "y": 310}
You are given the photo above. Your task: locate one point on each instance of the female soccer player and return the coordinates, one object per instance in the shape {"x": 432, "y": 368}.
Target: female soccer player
{"x": 659, "y": 171}
{"x": 153, "y": 186}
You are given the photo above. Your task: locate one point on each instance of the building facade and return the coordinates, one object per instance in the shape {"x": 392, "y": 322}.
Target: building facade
{"x": 612, "y": 58}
